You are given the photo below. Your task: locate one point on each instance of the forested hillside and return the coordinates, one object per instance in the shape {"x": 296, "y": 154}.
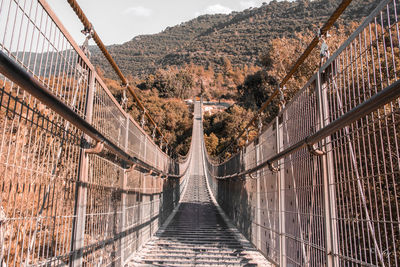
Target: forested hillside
{"x": 240, "y": 37}
{"x": 239, "y": 57}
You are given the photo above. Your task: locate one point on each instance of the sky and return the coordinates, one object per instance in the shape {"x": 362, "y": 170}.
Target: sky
{"x": 118, "y": 21}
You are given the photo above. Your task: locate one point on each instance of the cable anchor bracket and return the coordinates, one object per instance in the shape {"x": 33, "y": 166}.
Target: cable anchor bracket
{"x": 252, "y": 176}
{"x": 88, "y": 35}
{"x": 131, "y": 168}
{"x": 315, "y": 151}
{"x": 143, "y": 121}
{"x": 96, "y": 149}
{"x": 282, "y": 100}
{"x": 271, "y": 167}
{"x": 124, "y": 100}
{"x": 260, "y": 125}
{"x": 324, "y": 51}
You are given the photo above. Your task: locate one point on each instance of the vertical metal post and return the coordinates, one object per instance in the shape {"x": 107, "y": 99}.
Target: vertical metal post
{"x": 123, "y": 197}
{"x": 78, "y": 234}
{"x": 281, "y": 195}
{"x": 258, "y": 214}
{"x": 144, "y": 197}
{"x": 327, "y": 176}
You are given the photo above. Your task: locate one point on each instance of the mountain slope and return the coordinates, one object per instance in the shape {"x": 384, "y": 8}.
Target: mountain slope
{"x": 240, "y": 36}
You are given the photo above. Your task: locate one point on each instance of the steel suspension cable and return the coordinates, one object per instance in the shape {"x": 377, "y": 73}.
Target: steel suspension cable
{"x": 89, "y": 27}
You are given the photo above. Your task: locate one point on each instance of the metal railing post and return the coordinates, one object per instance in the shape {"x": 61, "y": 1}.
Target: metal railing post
{"x": 258, "y": 211}
{"x": 144, "y": 197}
{"x": 78, "y": 235}
{"x": 281, "y": 195}
{"x": 327, "y": 175}
{"x": 123, "y": 197}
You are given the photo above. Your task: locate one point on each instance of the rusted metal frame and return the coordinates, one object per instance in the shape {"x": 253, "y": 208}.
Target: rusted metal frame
{"x": 110, "y": 95}
{"x": 26, "y": 81}
{"x": 390, "y": 93}
{"x": 145, "y": 137}
{"x": 86, "y": 23}
{"x": 336, "y": 14}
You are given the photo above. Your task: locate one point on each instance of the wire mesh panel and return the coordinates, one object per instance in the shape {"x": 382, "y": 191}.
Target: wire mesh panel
{"x": 39, "y": 155}
{"x": 141, "y": 146}
{"x": 268, "y": 222}
{"x": 151, "y": 154}
{"x": 132, "y": 219}
{"x": 108, "y": 116}
{"x": 103, "y": 213}
{"x": 245, "y": 196}
{"x": 60, "y": 204}
{"x": 135, "y": 141}
{"x": 39, "y": 150}
{"x": 335, "y": 203}
{"x": 31, "y": 36}
{"x": 366, "y": 153}
{"x": 302, "y": 184}
{"x": 249, "y": 159}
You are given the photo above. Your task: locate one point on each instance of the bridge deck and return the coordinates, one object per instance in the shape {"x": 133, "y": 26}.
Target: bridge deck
{"x": 198, "y": 233}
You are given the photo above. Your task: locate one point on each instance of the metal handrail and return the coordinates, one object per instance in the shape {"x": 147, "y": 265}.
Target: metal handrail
{"x": 324, "y": 29}
{"x": 25, "y": 80}
{"x": 390, "y": 93}
{"x": 89, "y": 27}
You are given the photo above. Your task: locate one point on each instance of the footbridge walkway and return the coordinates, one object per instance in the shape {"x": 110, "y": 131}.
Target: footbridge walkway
{"x": 83, "y": 183}
{"x": 198, "y": 232}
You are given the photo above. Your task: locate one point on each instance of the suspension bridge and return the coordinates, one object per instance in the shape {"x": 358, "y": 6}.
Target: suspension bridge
{"x": 84, "y": 184}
